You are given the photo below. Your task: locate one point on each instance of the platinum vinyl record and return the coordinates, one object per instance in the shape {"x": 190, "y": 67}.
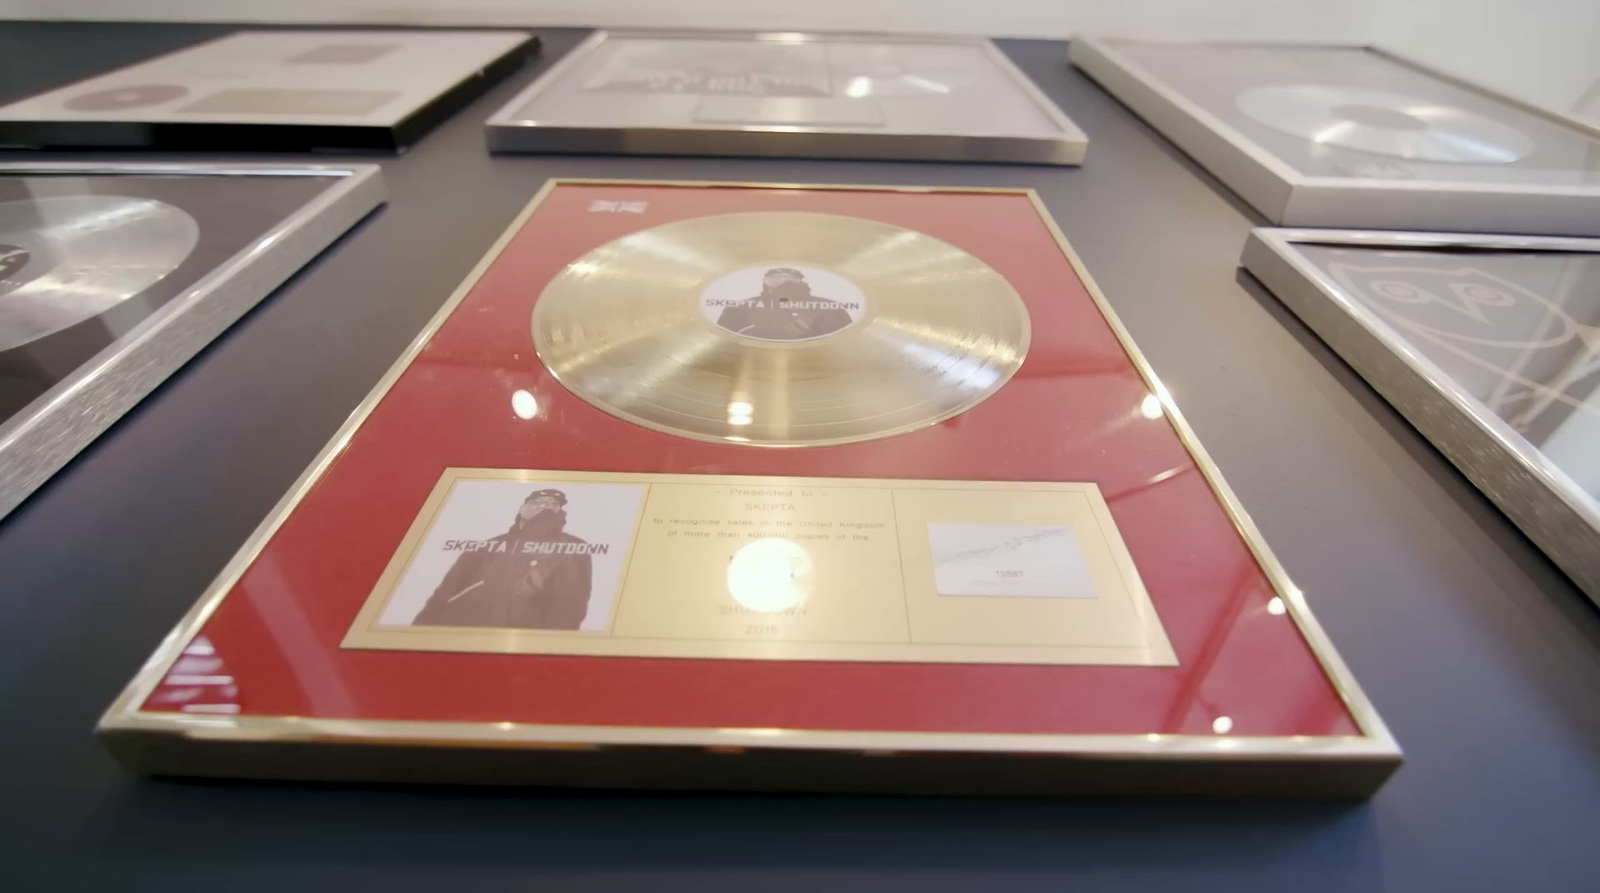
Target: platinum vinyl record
{"x": 781, "y": 329}
{"x": 1384, "y": 123}
{"x": 70, "y": 258}
{"x": 120, "y": 99}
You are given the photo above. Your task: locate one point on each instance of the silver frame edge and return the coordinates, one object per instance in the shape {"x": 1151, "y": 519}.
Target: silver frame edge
{"x": 330, "y": 749}
{"x": 505, "y": 133}
{"x": 41, "y": 439}
{"x": 1543, "y": 501}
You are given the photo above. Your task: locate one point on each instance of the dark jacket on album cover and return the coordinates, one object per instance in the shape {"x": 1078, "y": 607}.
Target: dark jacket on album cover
{"x": 531, "y": 584}
{"x": 789, "y": 312}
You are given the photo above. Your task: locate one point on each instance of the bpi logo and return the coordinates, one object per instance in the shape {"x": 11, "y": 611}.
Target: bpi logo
{"x": 605, "y": 206}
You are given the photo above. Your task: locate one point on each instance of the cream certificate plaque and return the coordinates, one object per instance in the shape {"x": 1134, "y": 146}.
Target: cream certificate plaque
{"x": 714, "y": 566}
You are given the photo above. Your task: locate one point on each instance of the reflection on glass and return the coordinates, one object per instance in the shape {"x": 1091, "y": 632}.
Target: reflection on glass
{"x": 770, "y": 575}
{"x": 1150, "y": 406}
{"x": 524, "y": 404}
{"x": 1222, "y": 725}
{"x": 1353, "y": 112}
{"x": 1517, "y": 330}
{"x": 198, "y": 682}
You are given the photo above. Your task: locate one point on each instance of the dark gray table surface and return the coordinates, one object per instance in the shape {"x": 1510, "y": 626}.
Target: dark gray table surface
{"x": 1484, "y": 660}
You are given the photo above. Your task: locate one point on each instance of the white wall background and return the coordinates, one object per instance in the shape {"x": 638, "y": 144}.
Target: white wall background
{"x": 1336, "y": 19}
{"x": 1544, "y": 50}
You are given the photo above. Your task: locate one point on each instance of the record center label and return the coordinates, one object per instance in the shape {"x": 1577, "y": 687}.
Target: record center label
{"x": 12, "y": 259}
{"x": 783, "y": 302}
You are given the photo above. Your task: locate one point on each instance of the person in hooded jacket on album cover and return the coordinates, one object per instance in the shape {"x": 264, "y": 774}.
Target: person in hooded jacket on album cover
{"x": 786, "y": 310}
{"x": 533, "y": 576}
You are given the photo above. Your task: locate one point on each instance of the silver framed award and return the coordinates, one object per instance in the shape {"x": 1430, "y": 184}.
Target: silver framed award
{"x": 274, "y": 90}
{"x": 112, "y": 276}
{"x": 804, "y": 95}
{"x": 1488, "y": 345}
{"x": 1351, "y": 136}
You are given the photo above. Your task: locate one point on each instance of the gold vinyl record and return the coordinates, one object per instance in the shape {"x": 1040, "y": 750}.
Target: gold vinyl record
{"x": 781, "y": 329}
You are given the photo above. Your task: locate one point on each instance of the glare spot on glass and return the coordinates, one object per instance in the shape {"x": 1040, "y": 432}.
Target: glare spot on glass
{"x": 1150, "y": 406}
{"x": 926, "y": 84}
{"x": 524, "y": 404}
{"x": 739, "y": 407}
{"x": 505, "y": 726}
{"x": 858, "y": 87}
{"x": 1152, "y": 737}
{"x": 1332, "y": 133}
{"x": 1222, "y": 725}
{"x": 736, "y": 438}
{"x": 582, "y": 267}
{"x": 770, "y": 575}
{"x": 739, "y": 420}
{"x": 1276, "y": 606}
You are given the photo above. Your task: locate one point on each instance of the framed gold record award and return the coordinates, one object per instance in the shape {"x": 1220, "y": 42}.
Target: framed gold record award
{"x": 763, "y": 487}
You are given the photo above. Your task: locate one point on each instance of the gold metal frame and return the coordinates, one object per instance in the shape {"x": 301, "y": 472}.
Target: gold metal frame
{"x": 1374, "y": 751}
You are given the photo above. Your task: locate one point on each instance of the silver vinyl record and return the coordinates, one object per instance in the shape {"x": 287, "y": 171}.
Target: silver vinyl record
{"x": 66, "y": 259}
{"x": 781, "y": 329}
{"x": 1384, "y": 124}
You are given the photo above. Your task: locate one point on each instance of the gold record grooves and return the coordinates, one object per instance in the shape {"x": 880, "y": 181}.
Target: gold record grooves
{"x": 627, "y": 328}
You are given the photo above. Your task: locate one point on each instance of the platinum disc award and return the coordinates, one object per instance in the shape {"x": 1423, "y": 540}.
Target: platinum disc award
{"x": 70, "y": 258}
{"x": 1384, "y": 123}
